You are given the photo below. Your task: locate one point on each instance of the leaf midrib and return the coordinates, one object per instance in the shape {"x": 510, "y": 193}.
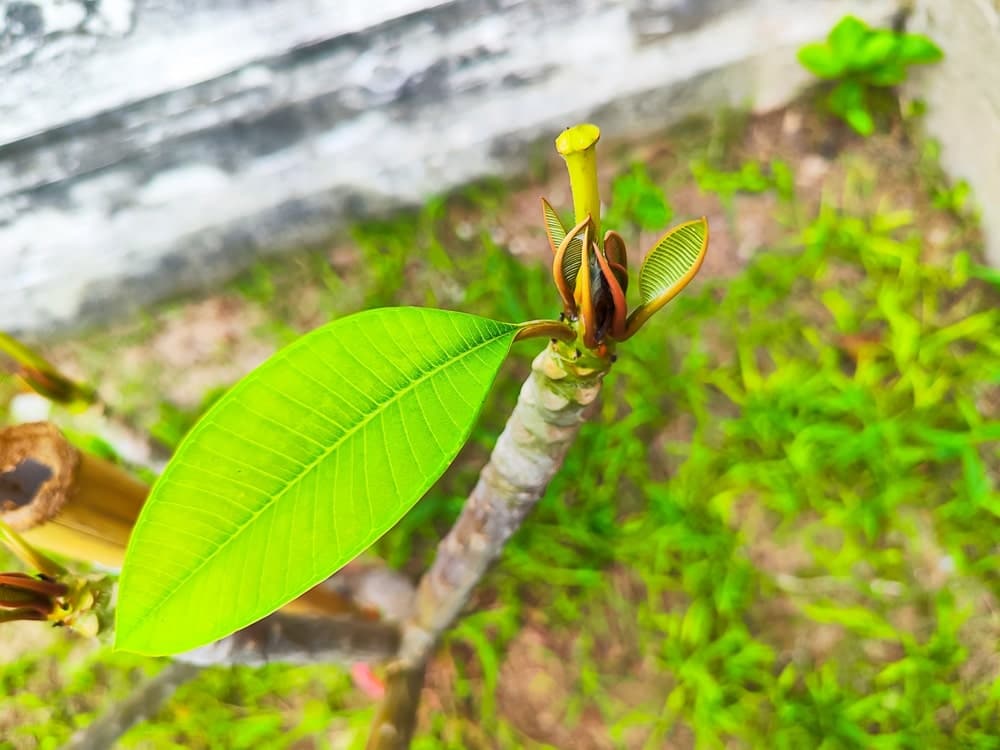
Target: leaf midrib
{"x": 379, "y": 407}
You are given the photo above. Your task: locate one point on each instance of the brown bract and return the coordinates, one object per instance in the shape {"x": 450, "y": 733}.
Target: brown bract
{"x": 592, "y": 277}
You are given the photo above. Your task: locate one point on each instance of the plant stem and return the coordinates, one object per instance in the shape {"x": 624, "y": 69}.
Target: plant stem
{"x": 396, "y": 719}
{"x": 546, "y": 329}
{"x": 578, "y": 146}
{"x": 143, "y": 703}
{"x": 296, "y": 639}
{"x": 552, "y": 406}
{"x": 42, "y": 377}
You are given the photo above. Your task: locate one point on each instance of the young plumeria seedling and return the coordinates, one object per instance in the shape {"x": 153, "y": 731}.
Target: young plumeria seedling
{"x": 313, "y": 456}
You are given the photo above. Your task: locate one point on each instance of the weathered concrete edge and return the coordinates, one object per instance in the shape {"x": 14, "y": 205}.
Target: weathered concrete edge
{"x": 293, "y": 198}
{"x": 962, "y": 94}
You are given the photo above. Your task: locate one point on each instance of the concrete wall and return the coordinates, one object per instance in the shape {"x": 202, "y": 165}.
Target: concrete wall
{"x": 963, "y": 98}
{"x": 153, "y": 146}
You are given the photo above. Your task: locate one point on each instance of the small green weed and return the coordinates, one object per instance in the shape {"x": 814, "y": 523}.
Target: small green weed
{"x": 638, "y": 201}
{"x": 859, "y": 62}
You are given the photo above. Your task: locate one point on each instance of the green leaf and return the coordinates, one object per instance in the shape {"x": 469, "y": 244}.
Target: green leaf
{"x": 668, "y": 268}
{"x": 847, "y": 101}
{"x": 888, "y": 74}
{"x": 877, "y": 50}
{"x": 820, "y": 60}
{"x": 915, "y": 49}
{"x": 677, "y": 255}
{"x": 553, "y": 225}
{"x": 572, "y": 260}
{"x": 569, "y": 265}
{"x": 847, "y": 37}
{"x": 845, "y": 96}
{"x": 860, "y": 120}
{"x": 862, "y": 621}
{"x": 637, "y": 198}
{"x": 300, "y": 467}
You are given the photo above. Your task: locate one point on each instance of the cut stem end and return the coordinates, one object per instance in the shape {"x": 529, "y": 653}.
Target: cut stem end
{"x": 578, "y": 146}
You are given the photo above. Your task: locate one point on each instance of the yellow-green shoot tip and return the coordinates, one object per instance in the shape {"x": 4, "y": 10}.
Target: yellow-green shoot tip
{"x": 577, "y": 138}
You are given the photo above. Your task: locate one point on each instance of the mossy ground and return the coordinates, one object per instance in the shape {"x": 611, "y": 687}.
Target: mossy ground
{"x": 779, "y": 532}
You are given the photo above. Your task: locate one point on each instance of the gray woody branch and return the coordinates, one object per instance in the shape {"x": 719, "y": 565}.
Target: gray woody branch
{"x": 287, "y": 638}
{"x": 291, "y": 639}
{"x": 139, "y": 706}
{"x": 554, "y": 402}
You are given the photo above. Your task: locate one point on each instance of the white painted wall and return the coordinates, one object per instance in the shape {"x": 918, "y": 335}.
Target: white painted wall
{"x": 160, "y": 147}
{"x": 963, "y": 99}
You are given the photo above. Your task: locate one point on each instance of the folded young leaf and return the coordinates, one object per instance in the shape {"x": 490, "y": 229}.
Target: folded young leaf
{"x": 668, "y": 268}
{"x": 614, "y": 250}
{"x": 554, "y": 228}
{"x": 300, "y": 467}
{"x": 567, "y": 261}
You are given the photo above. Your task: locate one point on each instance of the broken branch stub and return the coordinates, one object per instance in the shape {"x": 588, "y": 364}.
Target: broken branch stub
{"x": 81, "y": 506}
{"x": 64, "y": 500}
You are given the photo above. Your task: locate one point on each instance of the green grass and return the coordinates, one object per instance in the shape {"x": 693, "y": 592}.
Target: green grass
{"x": 779, "y": 532}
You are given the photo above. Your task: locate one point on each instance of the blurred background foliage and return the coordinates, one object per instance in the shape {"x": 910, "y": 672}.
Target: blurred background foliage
{"x": 780, "y": 531}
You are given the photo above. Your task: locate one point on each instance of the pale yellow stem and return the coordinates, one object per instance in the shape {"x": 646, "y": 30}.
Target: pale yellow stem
{"x": 578, "y": 146}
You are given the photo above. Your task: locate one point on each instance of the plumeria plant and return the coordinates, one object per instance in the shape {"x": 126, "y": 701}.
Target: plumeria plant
{"x": 318, "y": 452}
{"x": 323, "y": 448}
{"x": 314, "y": 455}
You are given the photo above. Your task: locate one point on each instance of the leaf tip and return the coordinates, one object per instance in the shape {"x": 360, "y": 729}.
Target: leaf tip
{"x": 668, "y": 268}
